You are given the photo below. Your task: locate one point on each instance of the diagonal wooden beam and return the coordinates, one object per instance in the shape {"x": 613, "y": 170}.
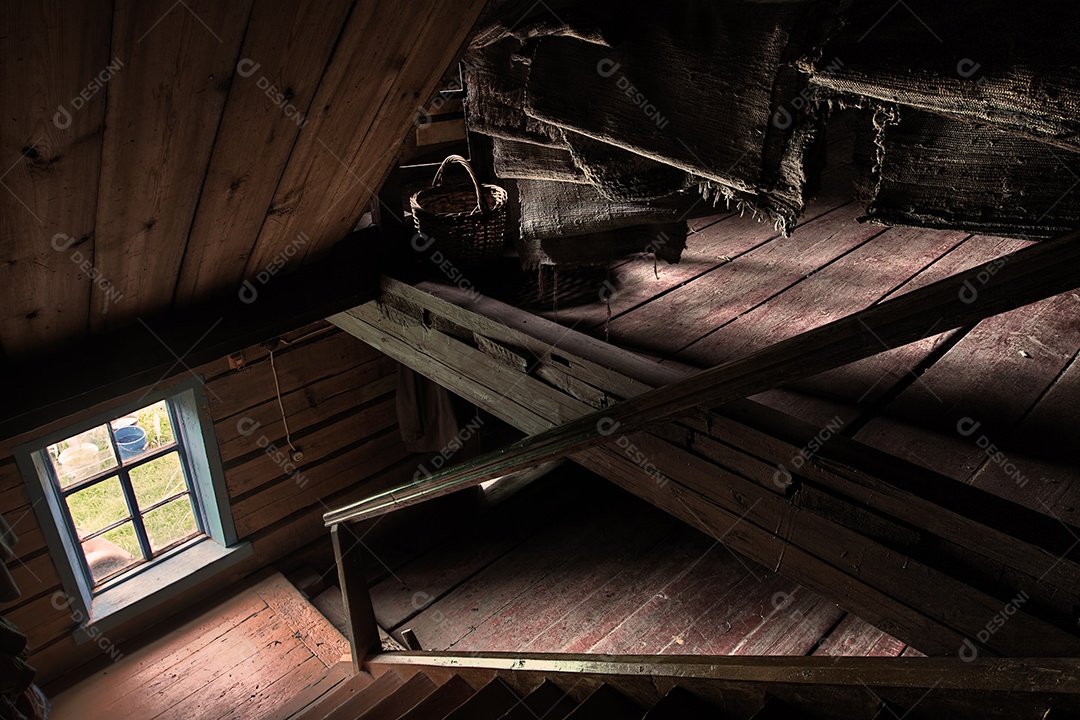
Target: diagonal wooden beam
{"x": 1031, "y": 274}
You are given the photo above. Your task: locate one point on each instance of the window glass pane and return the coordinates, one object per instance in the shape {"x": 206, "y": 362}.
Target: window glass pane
{"x": 112, "y": 551}
{"x": 158, "y": 479}
{"x": 82, "y": 456}
{"x": 142, "y": 431}
{"x": 98, "y": 506}
{"x": 169, "y": 523}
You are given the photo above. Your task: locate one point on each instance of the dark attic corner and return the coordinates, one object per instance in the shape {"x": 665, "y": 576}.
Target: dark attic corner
{"x": 539, "y": 360}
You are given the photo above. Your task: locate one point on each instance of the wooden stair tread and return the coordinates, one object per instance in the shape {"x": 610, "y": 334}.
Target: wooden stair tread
{"x": 489, "y": 703}
{"x": 353, "y": 699}
{"x": 774, "y": 709}
{"x": 546, "y": 701}
{"x": 680, "y": 704}
{"x": 399, "y": 702}
{"x": 447, "y": 697}
{"x": 339, "y": 676}
{"x": 606, "y": 703}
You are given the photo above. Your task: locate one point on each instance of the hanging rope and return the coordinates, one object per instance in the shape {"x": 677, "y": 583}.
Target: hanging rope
{"x": 281, "y": 406}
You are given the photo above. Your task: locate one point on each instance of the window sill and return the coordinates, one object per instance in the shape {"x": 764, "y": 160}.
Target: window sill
{"x": 187, "y": 569}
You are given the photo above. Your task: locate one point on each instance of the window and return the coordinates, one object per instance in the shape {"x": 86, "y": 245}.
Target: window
{"x": 126, "y": 490}
{"x": 135, "y": 500}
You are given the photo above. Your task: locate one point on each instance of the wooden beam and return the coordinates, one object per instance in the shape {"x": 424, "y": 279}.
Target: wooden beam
{"x": 362, "y": 631}
{"x": 41, "y": 389}
{"x": 1020, "y": 278}
{"x": 848, "y": 688}
{"x": 733, "y": 498}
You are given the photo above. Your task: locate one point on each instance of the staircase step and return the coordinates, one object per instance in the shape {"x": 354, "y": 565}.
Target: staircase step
{"x": 307, "y": 580}
{"x": 490, "y": 702}
{"x": 890, "y": 711}
{"x": 606, "y": 703}
{"x": 353, "y": 698}
{"x": 680, "y": 704}
{"x": 331, "y": 605}
{"x": 399, "y": 702}
{"x": 546, "y": 701}
{"x": 775, "y": 709}
{"x": 447, "y": 697}
{"x": 310, "y": 696}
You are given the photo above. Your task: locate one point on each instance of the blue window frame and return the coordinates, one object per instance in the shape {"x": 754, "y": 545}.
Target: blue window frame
{"x": 135, "y": 499}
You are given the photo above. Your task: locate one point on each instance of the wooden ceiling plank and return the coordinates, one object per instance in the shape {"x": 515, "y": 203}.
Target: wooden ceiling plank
{"x": 162, "y": 116}
{"x": 285, "y": 53}
{"x": 398, "y": 113}
{"x": 385, "y": 67}
{"x": 55, "y": 61}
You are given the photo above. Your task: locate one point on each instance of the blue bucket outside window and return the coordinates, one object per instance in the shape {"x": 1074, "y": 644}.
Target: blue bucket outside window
{"x": 130, "y": 441}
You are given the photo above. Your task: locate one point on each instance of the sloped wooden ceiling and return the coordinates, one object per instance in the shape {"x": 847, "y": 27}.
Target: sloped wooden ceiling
{"x": 157, "y": 153}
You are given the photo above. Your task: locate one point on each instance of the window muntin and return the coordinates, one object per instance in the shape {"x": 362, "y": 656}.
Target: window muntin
{"x": 126, "y": 489}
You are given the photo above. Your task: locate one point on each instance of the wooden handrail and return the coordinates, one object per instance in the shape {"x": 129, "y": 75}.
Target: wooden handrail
{"x": 1026, "y": 276}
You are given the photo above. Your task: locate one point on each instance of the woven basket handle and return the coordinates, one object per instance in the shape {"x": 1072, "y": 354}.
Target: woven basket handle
{"x": 451, "y": 159}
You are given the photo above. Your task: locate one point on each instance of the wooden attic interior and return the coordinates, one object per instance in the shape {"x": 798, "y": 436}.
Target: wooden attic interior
{"x": 774, "y": 373}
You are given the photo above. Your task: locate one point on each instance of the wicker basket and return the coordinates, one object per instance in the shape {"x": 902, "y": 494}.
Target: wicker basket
{"x": 467, "y": 225}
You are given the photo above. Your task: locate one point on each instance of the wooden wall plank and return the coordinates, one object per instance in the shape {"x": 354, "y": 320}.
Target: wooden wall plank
{"x": 285, "y": 51}
{"x": 162, "y": 116}
{"x": 296, "y": 367}
{"x": 339, "y": 394}
{"x": 50, "y": 152}
{"x": 260, "y": 468}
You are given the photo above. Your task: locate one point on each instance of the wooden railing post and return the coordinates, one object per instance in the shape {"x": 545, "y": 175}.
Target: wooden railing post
{"x": 363, "y": 632}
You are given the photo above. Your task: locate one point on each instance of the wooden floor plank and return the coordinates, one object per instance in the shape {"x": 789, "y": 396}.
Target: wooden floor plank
{"x": 993, "y": 376}
{"x": 711, "y": 577}
{"x": 629, "y": 591}
{"x": 233, "y": 690}
{"x": 673, "y": 322}
{"x": 529, "y": 620}
{"x": 1039, "y": 467}
{"x": 854, "y": 636}
{"x": 452, "y": 618}
{"x": 855, "y": 388}
{"x": 307, "y": 624}
{"x": 795, "y": 629}
{"x": 860, "y": 278}
{"x": 243, "y": 659}
{"x": 141, "y": 666}
{"x": 313, "y": 693}
{"x": 168, "y": 688}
